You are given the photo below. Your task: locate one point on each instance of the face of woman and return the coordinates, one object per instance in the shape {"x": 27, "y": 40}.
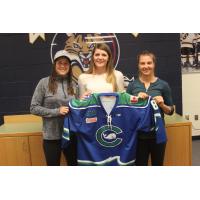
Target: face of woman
{"x": 62, "y": 66}
{"x": 146, "y": 65}
{"x": 100, "y": 59}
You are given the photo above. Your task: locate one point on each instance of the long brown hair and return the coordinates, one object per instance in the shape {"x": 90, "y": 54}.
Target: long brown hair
{"x": 53, "y": 83}
{"x": 111, "y": 78}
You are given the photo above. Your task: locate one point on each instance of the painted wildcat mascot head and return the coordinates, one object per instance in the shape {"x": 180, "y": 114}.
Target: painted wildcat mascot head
{"x": 80, "y": 47}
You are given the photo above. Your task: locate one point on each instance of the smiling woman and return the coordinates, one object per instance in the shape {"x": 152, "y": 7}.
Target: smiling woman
{"x": 62, "y": 66}
{"x": 50, "y": 101}
{"x": 101, "y": 76}
{"x": 100, "y": 61}
{"x": 147, "y": 84}
{"x": 146, "y": 65}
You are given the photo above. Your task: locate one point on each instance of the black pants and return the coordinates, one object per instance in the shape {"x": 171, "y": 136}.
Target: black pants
{"x": 52, "y": 151}
{"x": 146, "y": 147}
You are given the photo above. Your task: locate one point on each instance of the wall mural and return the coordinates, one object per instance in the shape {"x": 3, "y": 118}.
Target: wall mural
{"x": 27, "y": 57}
{"x": 80, "y": 46}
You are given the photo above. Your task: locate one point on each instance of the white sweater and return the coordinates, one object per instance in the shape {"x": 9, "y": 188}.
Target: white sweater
{"x": 97, "y": 83}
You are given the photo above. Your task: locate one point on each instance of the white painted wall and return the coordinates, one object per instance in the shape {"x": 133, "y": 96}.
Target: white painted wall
{"x": 191, "y": 99}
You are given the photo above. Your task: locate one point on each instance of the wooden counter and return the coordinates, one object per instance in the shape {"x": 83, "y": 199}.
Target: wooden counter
{"x": 179, "y": 144}
{"x": 21, "y": 143}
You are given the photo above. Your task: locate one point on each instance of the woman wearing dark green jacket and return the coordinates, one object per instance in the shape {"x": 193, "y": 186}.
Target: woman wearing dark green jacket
{"x": 146, "y": 85}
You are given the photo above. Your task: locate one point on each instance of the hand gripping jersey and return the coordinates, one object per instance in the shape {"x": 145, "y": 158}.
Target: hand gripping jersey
{"x": 106, "y": 127}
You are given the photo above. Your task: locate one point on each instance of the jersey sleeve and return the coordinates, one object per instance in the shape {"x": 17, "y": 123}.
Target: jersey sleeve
{"x": 74, "y": 119}
{"x": 151, "y": 120}
{"x": 66, "y": 132}
{"x": 71, "y": 126}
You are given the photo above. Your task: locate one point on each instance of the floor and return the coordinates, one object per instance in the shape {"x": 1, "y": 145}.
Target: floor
{"x": 196, "y": 152}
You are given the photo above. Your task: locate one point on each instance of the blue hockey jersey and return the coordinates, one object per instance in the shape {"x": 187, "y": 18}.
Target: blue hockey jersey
{"x": 106, "y": 135}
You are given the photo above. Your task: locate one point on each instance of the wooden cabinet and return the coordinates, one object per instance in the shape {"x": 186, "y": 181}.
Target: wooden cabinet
{"x": 178, "y": 150}
{"x": 15, "y": 146}
{"x": 14, "y": 151}
{"x": 179, "y": 143}
{"x": 21, "y": 141}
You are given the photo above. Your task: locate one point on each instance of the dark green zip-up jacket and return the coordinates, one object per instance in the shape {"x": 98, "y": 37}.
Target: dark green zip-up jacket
{"x": 158, "y": 88}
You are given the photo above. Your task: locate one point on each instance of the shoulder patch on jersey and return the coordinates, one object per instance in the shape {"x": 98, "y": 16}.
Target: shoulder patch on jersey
{"x": 91, "y": 120}
{"x": 133, "y": 99}
{"x": 91, "y": 113}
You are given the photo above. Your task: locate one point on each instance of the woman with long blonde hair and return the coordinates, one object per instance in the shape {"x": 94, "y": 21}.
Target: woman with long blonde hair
{"x": 101, "y": 75}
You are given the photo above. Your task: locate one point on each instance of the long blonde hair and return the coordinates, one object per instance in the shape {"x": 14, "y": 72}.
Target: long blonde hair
{"x": 111, "y": 78}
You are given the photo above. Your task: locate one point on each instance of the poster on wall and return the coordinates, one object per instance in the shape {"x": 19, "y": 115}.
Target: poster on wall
{"x": 190, "y": 52}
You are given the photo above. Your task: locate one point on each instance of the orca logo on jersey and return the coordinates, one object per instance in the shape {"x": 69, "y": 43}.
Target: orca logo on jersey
{"x": 107, "y": 136}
